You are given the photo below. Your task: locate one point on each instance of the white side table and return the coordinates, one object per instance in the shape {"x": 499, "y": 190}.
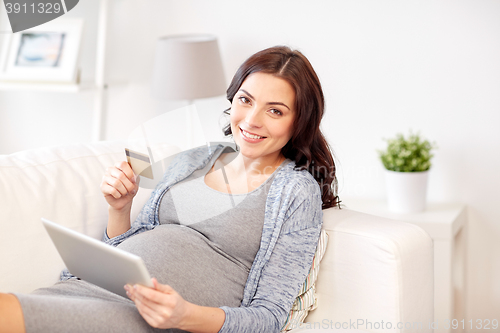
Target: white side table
{"x": 446, "y": 224}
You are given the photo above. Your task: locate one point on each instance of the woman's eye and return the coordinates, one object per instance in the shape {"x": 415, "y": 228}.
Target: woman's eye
{"x": 244, "y": 100}
{"x": 276, "y": 112}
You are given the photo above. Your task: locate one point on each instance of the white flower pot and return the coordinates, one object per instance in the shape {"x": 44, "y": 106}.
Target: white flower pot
{"x": 406, "y": 191}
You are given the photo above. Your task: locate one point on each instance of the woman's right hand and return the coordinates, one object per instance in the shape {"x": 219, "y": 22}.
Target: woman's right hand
{"x": 119, "y": 186}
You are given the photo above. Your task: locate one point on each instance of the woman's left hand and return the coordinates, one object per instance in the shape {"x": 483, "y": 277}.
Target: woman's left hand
{"x": 161, "y": 306}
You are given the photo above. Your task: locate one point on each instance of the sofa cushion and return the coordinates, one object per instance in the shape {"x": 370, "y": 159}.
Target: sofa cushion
{"x": 59, "y": 183}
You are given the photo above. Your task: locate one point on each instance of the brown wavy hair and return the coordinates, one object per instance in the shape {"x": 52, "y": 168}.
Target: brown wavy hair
{"x": 307, "y": 147}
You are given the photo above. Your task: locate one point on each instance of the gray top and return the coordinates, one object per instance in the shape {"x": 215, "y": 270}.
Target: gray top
{"x": 292, "y": 224}
{"x": 219, "y": 233}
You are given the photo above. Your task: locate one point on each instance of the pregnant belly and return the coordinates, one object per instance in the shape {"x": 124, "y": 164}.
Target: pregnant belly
{"x": 184, "y": 259}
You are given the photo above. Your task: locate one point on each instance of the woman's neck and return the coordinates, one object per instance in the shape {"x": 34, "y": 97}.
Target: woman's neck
{"x": 263, "y": 166}
{"x": 239, "y": 174}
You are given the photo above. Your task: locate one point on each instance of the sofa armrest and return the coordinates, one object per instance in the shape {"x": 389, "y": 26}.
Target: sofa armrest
{"x": 375, "y": 269}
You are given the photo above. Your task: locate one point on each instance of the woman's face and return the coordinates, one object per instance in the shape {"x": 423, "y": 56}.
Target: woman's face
{"x": 262, "y": 114}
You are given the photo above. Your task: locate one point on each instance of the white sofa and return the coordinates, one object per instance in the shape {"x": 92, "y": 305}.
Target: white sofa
{"x": 375, "y": 271}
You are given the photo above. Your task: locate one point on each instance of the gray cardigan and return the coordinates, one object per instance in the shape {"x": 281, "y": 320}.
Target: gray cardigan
{"x": 292, "y": 225}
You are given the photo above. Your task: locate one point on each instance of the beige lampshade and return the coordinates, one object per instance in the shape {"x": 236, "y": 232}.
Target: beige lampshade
{"x": 188, "y": 67}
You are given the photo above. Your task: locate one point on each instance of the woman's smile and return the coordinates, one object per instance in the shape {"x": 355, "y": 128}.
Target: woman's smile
{"x": 251, "y": 137}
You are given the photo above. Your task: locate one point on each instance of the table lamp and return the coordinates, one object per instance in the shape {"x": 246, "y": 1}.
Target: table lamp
{"x": 188, "y": 67}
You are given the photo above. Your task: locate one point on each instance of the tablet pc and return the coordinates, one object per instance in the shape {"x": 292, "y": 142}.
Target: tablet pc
{"x": 97, "y": 262}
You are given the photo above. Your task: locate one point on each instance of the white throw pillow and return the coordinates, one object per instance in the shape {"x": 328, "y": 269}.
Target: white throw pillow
{"x": 306, "y": 300}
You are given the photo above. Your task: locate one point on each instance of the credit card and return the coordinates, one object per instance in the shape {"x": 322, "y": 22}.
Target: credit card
{"x": 140, "y": 163}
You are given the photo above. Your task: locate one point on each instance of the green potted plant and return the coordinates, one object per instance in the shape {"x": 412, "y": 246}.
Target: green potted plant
{"x": 407, "y": 161}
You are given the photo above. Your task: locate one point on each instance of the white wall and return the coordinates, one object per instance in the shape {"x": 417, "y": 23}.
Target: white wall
{"x": 386, "y": 66}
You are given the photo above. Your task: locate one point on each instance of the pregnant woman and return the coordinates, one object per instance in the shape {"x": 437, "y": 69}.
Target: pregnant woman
{"x": 229, "y": 236}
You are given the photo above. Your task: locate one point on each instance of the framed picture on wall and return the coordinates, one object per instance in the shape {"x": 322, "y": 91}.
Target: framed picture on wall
{"x": 46, "y": 53}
